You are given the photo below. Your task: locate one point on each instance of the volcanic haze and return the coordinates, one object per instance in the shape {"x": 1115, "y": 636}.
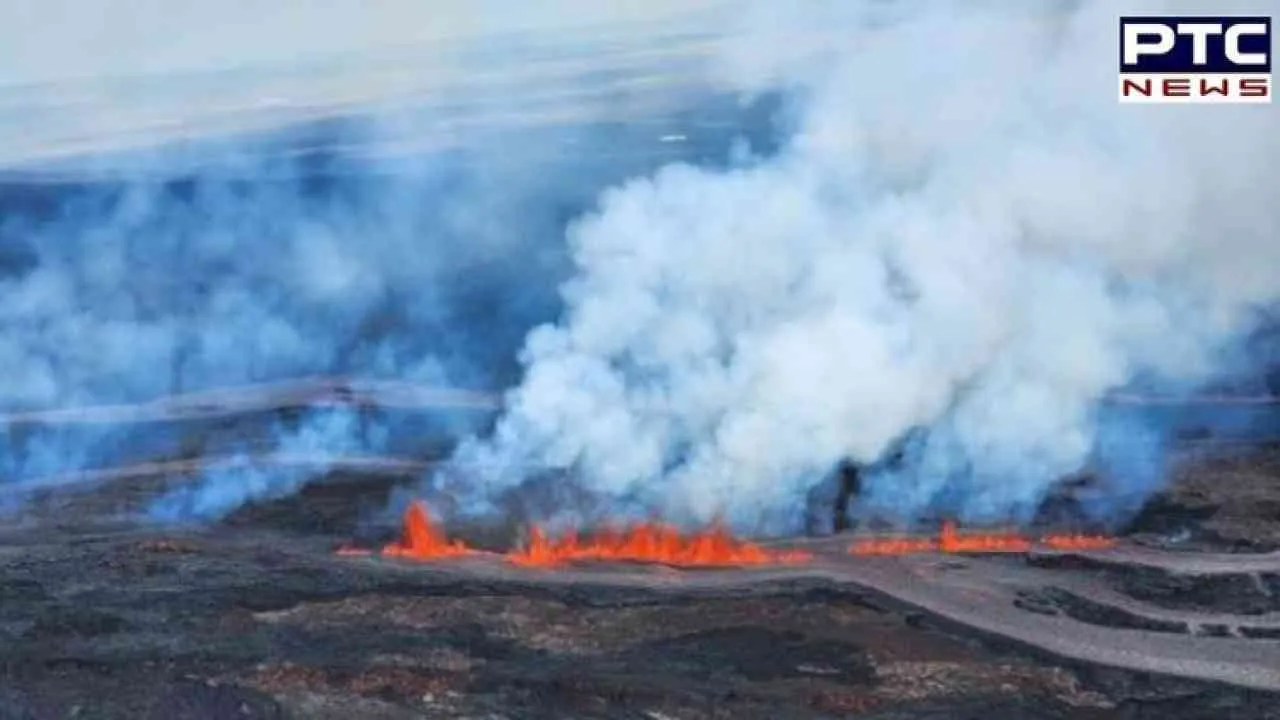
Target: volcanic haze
{"x": 964, "y": 244}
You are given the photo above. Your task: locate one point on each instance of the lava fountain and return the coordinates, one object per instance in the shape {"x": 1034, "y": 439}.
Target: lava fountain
{"x": 653, "y": 543}
{"x": 715, "y": 546}
{"x": 420, "y": 539}
{"x": 650, "y": 542}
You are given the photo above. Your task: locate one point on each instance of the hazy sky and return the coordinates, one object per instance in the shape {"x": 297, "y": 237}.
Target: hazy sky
{"x": 60, "y": 39}
{"x": 80, "y": 75}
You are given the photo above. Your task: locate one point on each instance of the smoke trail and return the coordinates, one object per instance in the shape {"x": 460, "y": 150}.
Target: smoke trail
{"x": 417, "y": 235}
{"x": 240, "y": 480}
{"x": 966, "y": 235}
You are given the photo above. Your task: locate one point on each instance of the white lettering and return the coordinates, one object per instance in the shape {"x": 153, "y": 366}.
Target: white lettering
{"x": 1232, "y": 41}
{"x": 1135, "y": 47}
{"x": 1199, "y": 33}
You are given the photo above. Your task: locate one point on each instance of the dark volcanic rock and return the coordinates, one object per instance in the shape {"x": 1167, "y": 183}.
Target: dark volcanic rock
{"x": 325, "y": 506}
{"x": 255, "y": 618}
{"x": 210, "y": 701}
{"x": 1220, "y": 500}
{"x": 1237, "y": 593}
{"x": 19, "y": 589}
{"x": 757, "y": 655}
{"x": 1147, "y": 697}
{"x": 1214, "y": 630}
{"x": 1260, "y": 633}
{"x": 15, "y": 706}
{"x": 62, "y": 620}
{"x": 1096, "y": 613}
{"x": 1271, "y": 582}
{"x": 1163, "y": 514}
{"x": 228, "y": 627}
{"x": 1240, "y": 593}
{"x": 1036, "y": 602}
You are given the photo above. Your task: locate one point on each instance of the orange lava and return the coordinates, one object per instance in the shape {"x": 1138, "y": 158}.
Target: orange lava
{"x": 893, "y": 546}
{"x": 650, "y": 543}
{"x": 950, "y": 540}
{"x": 654, "y": 542}
{"x": 421, "y": 540}
{"x": 1078, "y": 542}
{"x": 647, "y": 542}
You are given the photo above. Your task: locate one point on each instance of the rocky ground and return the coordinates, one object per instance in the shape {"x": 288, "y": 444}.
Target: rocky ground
{"x": 1223, "y": 501}
{"x": 256, "y": 618}
{"x": 250, "y": 624}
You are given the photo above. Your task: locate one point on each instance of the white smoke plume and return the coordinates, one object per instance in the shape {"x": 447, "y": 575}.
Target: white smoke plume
{"x": 220, "y": 195}
{"x": 965, "y": 235}
{"x": 240, "y": 479}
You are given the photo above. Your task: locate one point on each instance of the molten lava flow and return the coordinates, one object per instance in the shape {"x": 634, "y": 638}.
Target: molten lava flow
{"x": 1078, "y": 542}
{"x": 649, "y": 542}
{"x": 654, "y": 542}
{"x": 951, "y": 541}
{"x": 893, "y": 546}
{"x": 422, "y": 540}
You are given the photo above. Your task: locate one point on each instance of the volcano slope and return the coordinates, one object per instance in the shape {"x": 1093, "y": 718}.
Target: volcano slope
{"x": 257, "y": 617}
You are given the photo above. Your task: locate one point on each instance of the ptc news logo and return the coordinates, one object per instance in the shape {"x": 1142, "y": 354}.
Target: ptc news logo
{"x": 1195, "y": 59}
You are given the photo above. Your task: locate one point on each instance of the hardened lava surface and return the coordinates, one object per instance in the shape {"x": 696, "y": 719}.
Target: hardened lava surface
{"x": 257, "y": 618}
{"x": 253, "y": 624}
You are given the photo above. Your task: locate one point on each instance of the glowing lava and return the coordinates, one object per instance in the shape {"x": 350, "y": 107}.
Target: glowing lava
{"x": 1077, "y": 542}
{"x": 652, "y": 543}
{"x": 421, "y": 540}
{"x": 655, "y": 542}
{"x": 645, "y": 543}
{"x": 951, "y": 541}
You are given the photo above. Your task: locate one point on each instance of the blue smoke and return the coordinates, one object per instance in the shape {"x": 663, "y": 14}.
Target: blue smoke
{"x": 322, "y": 437}
{"x": 424, "y": 242}
{"x": 327, "y": 247}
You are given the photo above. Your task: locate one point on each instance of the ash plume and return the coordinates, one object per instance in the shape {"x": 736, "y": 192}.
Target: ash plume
{"x": 965, "y": 244}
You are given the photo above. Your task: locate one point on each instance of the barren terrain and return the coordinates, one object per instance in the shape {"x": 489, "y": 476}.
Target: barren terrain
{"x": 103, "y": 616}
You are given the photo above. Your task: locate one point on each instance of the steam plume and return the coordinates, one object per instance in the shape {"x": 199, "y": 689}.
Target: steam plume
{"x": 239, "y": 480}
{"x": 965, "y": 236}
{"x": 161, "y": 235}
{"x": 962, "y": 246}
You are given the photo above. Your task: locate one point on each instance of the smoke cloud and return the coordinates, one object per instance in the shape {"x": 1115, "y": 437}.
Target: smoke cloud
{"x": 961, "y": 245}
{"x": 238, "y": 480}
{"x": 964, "y": 245}
{"x": 172, "y": 220}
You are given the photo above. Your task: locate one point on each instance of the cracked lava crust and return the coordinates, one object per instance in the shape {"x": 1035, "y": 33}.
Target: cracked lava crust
{"x": 259, "y": 616}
